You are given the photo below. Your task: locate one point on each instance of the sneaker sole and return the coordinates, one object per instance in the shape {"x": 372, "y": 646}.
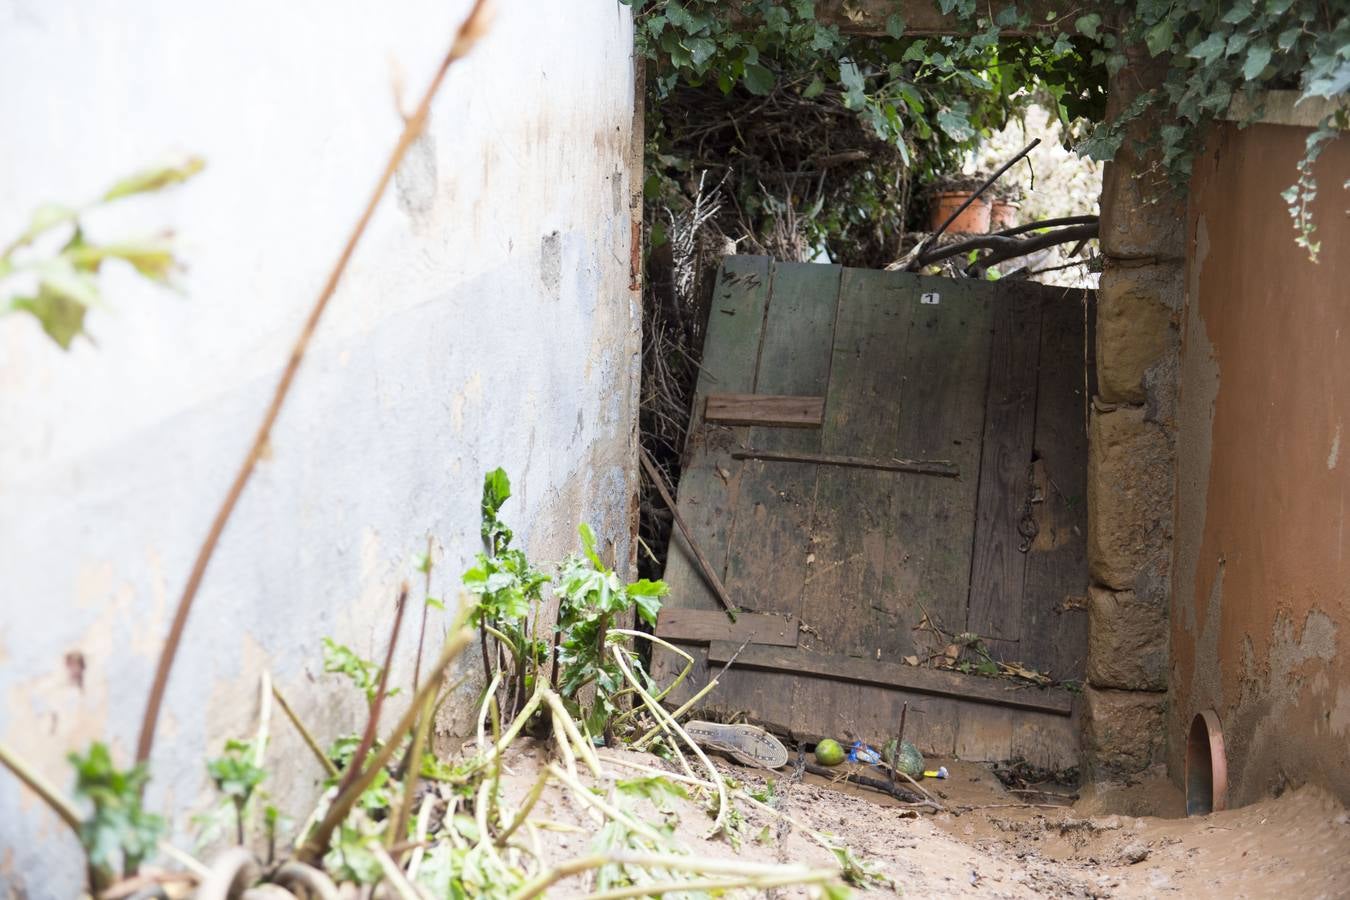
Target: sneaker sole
{"x": 746, "y": 744}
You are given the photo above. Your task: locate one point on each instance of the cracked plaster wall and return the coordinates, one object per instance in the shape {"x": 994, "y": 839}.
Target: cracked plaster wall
{"x": 486, "y": 319}
{"x": 1262, "y": 562}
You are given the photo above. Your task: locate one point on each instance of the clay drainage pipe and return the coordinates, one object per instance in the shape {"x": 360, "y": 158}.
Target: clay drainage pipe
{"x": 1206, "y": 766}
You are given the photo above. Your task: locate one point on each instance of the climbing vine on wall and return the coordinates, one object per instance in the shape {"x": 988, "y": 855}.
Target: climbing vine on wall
{"x": 1216, "y": 50}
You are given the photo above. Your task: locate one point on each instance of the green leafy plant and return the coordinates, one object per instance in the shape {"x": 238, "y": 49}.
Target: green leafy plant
{"x": 236, "y": 777}
{"x": 118, "y": 834}
{"x": 339, "y": 659}
{"x": 509, "y": 591}
{"x": 591, "y": 597}
{"x": 50, "y": 271}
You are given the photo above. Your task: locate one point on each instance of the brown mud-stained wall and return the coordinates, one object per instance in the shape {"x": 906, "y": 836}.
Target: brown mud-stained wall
{"x": 1261, "y": 606}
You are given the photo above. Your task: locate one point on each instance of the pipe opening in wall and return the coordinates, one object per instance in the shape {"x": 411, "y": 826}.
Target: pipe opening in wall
{"x": 1206, "y": 766}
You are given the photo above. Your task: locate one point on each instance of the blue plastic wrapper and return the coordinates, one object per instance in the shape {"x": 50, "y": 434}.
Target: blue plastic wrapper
{"x": 861, "y": 753}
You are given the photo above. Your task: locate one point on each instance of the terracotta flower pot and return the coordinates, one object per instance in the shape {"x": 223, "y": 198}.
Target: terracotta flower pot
{"x": 973, "y": 220}
{"x": 1003, "y": 214}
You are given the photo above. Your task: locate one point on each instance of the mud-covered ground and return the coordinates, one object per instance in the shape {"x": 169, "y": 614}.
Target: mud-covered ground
{"x": 1118, "y": 841}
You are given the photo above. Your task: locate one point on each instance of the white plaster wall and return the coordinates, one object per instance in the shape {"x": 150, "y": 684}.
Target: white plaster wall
{"x": 485, "y": 319}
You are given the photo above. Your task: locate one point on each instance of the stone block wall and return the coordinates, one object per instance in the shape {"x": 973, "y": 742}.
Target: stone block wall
{"x": 1131, "y": 450}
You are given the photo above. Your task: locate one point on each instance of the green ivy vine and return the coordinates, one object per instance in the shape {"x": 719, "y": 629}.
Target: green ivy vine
{"x": 933, "y": 97}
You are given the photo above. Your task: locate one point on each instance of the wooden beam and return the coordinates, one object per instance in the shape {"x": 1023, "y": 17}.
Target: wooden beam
{"x": 709, "y": 573}
{"x": 924, "y": 17}
{"x": 764, "y": 409}
{"x": 975, "y": 688}
{"x": 700, "y": 626}
{"x": 939, "y": 467}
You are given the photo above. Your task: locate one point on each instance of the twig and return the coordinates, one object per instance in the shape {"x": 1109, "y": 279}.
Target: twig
{"x": 39, "y": 785}
{"x": 918, "y": 253}
{"x": 1031, "y": 245}
{"x": 373, "y": 720}
{"x": 422, "y": 632}
{"x": 877, "y": 784}
{"x": 1048, "y": 223}
{"x": 722, "y": 671}
{"x": 470, "y": 30}
{"x": 1009, "y": 248}
{"x": 308, "y": 738}
{"x": 713, "y": 580}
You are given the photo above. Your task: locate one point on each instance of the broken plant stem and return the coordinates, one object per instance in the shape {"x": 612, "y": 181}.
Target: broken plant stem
{"x": 470, "y": 30}
{"x": 674, "y": 727}
{"x": 392, "y": 873}
{"x": 373, "y": 720}
{"x": 612, "y": 812}
{"x": 488, "y": 696}
{"x": 422, "y": 632}
{"x": 715, "y": 887}
{"x": 419, "y": 849}
{"x": 525, "y": 808}
{"x": 700, "y": 865}
{"x": 305, "y": 735}
{"x": 583, "y": 747}
{"x": 412, "y": 771}
{"x": 738, "y": 793}
{"x": 39, "y": 785}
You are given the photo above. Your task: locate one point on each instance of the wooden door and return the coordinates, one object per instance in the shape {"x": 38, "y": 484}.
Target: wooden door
{"x": 936, "y": 489}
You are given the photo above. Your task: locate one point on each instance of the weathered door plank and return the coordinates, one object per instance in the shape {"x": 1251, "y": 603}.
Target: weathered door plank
{"x": 998, "y": 569}
{"x": 1054, "y": 616}
{"x": 780, "y": 411}
{"x": 675, "y": 623}
{"x": 932, "y": 523}
{"x": 708, "y": 484}
{"x": 862, "y": 407}
{"x": 769, "y": 543}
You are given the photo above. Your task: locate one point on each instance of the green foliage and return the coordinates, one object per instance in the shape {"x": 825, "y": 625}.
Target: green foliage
{"x": 50, "y": 270}
{"x": 236, "y": 776}
{"x": 930, "y": 97}
{"x": 118, "y": 834}
{"x": 591, "y": 595}
{"x": 1215, "y": 50}
{"x": 920, "y": 101}
{"x": 364, "y": 673}
{"x": 234, "y": 773}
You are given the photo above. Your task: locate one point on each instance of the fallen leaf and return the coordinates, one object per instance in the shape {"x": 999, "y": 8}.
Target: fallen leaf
{"x": 911, "y": 660}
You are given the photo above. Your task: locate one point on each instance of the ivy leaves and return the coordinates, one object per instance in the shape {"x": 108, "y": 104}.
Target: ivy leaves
{"x": 1215, "y": 50}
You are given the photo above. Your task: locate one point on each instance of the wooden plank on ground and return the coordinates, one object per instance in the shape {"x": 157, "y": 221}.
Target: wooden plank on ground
{"x": 998, "y": 569}
{"x": 778, "y": 410}
{"x": 837, "y": 668}
{"x": 675, "y": 623}
{"x": 932, "y": 522}
{"x": 708, "y": 484}
{"x": 1054, "y": 613}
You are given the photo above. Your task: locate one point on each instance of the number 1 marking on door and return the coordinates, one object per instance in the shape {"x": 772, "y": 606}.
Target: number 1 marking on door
{"x": 930, "y": 299}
